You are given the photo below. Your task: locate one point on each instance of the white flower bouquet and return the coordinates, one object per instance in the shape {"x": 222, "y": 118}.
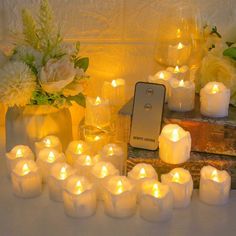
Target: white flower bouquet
{"x": 42, "y": 70}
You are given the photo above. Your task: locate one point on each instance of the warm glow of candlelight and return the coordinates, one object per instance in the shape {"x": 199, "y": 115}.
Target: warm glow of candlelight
{"x": 104, "y": 171}
{"x": 19, "y": 153}
{"x": 51, "y": 157}
{"x": 63, "y": 173}
{"x": 156, "y": 191}
{"x": 176, "y": 177}
{"x": 98, "y": 101}
{"x": 119, "y": 187}
{"x": 25, "y": 169}
{"x": 114, "y": 83}
{"x": 47, "y": 142}
{"x": 215, "y": 89}
{"x": 79, "y": 149}
{"x": 178, "y": 33}
{"x": 88, "y": 161}
{"x": 78, "y": 187}
{"x": 181, "y": 83}
{"x": 175, "y": 135}
{"x": 110, "y": 151}
{"x": 142, "y": 173}
{"x": 214, "y": 176}
{"x": 180, "y": 46}
{"x": 97, "y": 138}
{"x": 162, "y": 76}
{"x": 176, "y": 70}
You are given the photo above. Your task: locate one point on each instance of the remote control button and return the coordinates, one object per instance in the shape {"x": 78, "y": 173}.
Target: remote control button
{"x": 149, "y": 92}
{"x": 147, "y": 106}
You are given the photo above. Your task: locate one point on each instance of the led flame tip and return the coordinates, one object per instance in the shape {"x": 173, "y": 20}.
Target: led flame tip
{"x": 19, "y": 153}
{"x": 98, "y": 100}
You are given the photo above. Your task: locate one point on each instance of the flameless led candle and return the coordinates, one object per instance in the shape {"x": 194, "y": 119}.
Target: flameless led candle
{"x": 178, "y": 54}
{"x": 17, "y": 153}
{"x": 174, "y": 144}
{"x": 180, "y": 73}
{"x": 182, "y": 95}
{"x": 50, "y": 141}
{"x": 47, "y": 157}
{"x": 156, "y": 201}
{"x": 114, "y": 154}
{"x": 214, "y": 186}
{"x": 75, "y": 149}
{"x": 114, "y": 91}
{"x": 101, "y": 171}
{"x": 26, "y": 179}
{"x": 215, "y": 98}
{"x": 119, "y": 197}
{"x": 79, "y": 197}
{"x": 162, "y": 77}
{"x": 97, "y": 112}
{"x": 57, "y": 179}
{"x": 181, "y": 184}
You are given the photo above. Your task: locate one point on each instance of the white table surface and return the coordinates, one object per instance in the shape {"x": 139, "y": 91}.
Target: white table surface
{"x": 42, "y": 217}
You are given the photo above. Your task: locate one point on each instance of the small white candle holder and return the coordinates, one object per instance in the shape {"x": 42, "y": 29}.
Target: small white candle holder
{"x": 17, "y": 153}
{"x": 100, "y": 172}
{"x": 214, "y": 186}
{"x": 214, "y": 98}
{"x": 75, "y": 149}
{"x": 46, "y": 158}
{"x": 26, "y": 179}
{"x": 156, "y": 201}
{"x": 181, "y": 184}
{"x": 59, "y": 173}
{"x": 174, "y": 144}
{"x": 119, "y": 197}
{"x": 79, "y": 197}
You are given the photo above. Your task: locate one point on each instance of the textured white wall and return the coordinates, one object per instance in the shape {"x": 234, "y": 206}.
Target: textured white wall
{"x": 117, "y": 35}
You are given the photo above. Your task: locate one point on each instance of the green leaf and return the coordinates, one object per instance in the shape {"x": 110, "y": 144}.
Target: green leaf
{"x": 79, "y": 99}
{"x": 230, "y": 52}
{"x": 82, "y": 63}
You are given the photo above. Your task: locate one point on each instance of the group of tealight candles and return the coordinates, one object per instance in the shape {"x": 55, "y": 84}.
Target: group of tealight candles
{"x": 180, "y": 92}
{"x": 80, "y": 180}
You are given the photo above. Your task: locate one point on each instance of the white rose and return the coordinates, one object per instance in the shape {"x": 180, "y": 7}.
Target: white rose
{"x": 57, "y": 74}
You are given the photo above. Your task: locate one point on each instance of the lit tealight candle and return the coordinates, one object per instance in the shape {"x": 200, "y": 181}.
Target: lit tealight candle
{"x": 215, "y": 98}
{"x": 57, "y": 179}
{"x": 79, "y": 197}
{"x": 75, "y": 149}
{"x": 162, "y": 77}
{"x": 180, "y": 73}
{"x": 26, "y": 180}
{"x": 214, "y": 186}
{"x": 156, "y": 201}
{"x": 174, "y": 144}
{"x": 113, "y": 153}
{"x": 100, "y": 173}
{"x": 97, "y": 112}
{"x": 181, "y": 184}
{"x": 50, "y": 141}
{"x": 17, "y": 153}
{"x": 119, "y": 197}
{"x": 47, "y": 157}
{"x": 182, "y": 95}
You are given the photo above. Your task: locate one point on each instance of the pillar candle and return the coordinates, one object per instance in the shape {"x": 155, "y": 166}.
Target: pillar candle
{"x": 174, "y": 144}
{"x": 181, "y": 184}
{"x": 181, "y": 96}
{"x": 26, "y": 179}
{"x": 214, "y": 98}
{"x": 100, "y": 172}
{"x": 214, "y": 186}
{"x": 59, "y": 173}
{"x": 156, "y": 201}
{"x": 50, "y": 141}
{"x": 180, "y": 73}
{"x": 75, "y": 149}
{"x": 46, "y": 158}
{"x": 17, "y": 153}
{"x": 119, "y": 197}
{"x": 79, "y": 197}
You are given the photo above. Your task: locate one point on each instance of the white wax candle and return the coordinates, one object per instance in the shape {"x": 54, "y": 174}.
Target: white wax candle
{"x": 97, "y": 112}
{"x": 214, "y": 186}
{"x": 17, "y": 153}
{"x": 156, "y": 201}
{"x": 26, "y": 179}
{"x": 59, "y": 173}
{"x": 119, "y": 197}
{"x": 79, "y": 197}
{"x": 182, "y": 95}
{"x": 214, "y": 98}
{"x": 46, "y": 158}
{"x": 75, "y": 149}
{"x": 174, "y": 144}
{"x": 114, "y": 91}
{"x": 162, "y": 77}
{"x": 181, "y": 184}
{"x": 113, "y": 153}
{"x": 50, "y": 141}
{"x": 181, "y": 73}
{"x": 101, "y": 171}
{"x": 179, "y": 54}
